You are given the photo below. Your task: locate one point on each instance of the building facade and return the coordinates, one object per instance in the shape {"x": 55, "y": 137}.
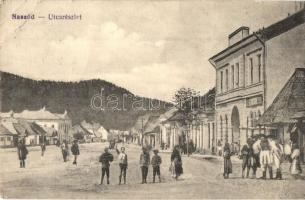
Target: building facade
{"x": 62, "y": 123}
{"x": 251, "y": 71}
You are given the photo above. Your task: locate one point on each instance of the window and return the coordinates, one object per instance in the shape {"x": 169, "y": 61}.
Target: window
{"x": 232, "y": 71}
{"x": 8, "y": 139}
{"x": 221, "y": 134}
{"x": 227, "y": 129}
{"x": 259, "y": 67}
{"x": 237, "y": 76}
{"x": 2, "y": 139}
{"x": 227, "y": 79}
{"x": 221, "y": 81}
{"x": 251, "y": 70}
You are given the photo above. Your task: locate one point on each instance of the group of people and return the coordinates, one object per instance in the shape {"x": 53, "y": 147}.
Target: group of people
{"x": 106, "y": 158}
{"x": 23, "y": 152}
{"x": 66, "y": 151}
{"x": 265, "y": 153}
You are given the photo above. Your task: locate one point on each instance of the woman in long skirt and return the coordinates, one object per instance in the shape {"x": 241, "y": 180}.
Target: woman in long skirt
{"x": 176, "y": 163}
{"x": 295, "y": 167}
{"x": 227, "y": 161}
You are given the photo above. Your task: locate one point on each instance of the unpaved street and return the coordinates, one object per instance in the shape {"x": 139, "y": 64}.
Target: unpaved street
{"x": 50, "y": 177}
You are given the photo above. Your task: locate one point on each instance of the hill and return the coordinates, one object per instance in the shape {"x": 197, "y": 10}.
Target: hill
{"x": 91, "y": 100}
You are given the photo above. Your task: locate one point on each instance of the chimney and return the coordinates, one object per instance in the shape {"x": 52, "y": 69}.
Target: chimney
{"x": 238, "y": 35}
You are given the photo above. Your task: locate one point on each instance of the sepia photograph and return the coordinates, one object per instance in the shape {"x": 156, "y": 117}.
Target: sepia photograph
{"x": 152, "y": 99}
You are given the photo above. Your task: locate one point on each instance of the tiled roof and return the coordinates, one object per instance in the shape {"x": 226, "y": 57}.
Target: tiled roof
{"x": 28, "y": 128}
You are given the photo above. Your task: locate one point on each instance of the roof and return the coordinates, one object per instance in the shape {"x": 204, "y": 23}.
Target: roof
{"x": 6, "y": 114}
{"x": 100, "y": 131}
{"x": 79, "y": 129}
{"x": 4, "y": 131}
{"x": 9, "y": 125}
{"x": 28, "y": 128}
{"x": 207, "y": 106}
{"x": 92, "y": 128}
{"x": 168, "y": 114}
{"x": 265, "y": 34}
{"x": 142, "y": 120}
{"x": 152, "y": 124}
{"x": 299, "y": 115}
{"x": 289, "y": 101}
{"x": 40, "y": 114}
{"x": 282, "y": 26}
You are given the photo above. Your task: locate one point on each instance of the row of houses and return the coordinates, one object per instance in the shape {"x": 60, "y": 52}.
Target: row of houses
{"x": 169, "y": 129}
{"x": 43, "y": 126}
{"x": 260, "y": 89}
{"x": 34, "y": 127}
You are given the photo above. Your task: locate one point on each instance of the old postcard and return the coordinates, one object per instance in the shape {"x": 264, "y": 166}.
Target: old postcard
{"x": 137, "y": 99}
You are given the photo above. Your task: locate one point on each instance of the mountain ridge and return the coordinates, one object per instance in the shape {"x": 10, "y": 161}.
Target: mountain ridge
{"x": 114, "y": 106}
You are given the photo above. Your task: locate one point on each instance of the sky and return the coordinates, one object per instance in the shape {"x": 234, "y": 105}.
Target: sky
{"x": 152, "y": 48}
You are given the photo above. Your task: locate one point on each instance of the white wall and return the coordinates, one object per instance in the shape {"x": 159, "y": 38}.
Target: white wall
{"x": 284, "y": 53}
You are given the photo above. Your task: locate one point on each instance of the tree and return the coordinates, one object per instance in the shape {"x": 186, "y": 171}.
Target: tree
{"x": 186, "y": 101}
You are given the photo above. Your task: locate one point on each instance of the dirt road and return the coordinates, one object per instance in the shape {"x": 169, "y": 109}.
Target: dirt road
{"x": 50, "y": 177}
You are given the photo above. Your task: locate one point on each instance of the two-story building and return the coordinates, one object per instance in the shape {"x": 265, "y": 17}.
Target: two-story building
{"x": 251, "y": 71}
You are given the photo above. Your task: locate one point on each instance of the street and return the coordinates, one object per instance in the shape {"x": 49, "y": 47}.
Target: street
{"x": 49, "y": 177}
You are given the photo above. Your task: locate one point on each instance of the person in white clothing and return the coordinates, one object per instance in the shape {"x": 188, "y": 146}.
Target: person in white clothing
{"x": 277, "y": 152}
{"x": 123, "y": 163}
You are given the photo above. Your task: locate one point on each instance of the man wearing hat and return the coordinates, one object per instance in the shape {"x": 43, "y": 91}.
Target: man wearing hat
{"x": 156, "y": 162}
{"x": 105, "y": 159}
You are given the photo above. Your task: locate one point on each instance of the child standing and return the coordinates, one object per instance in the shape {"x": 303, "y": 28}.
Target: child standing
{"x": 156, "y": 162}
{"x": 227, "y": 160}
{"x": 123, "y": 163}
{"x": 75, "y": 151}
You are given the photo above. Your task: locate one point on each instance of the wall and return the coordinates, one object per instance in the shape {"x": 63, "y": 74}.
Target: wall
{"x": 284, "y": 53}
{"x": 244, "y": 113}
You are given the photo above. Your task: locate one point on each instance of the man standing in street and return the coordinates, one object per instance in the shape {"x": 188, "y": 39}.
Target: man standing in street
{"x": 105, "y": 159}
{"x": 43, "y": 148}
{"x": 144, "y": 164}
{"x": 156, "y": 162}
{"x": 265, "y": 158}
{"x": 22, "y": 153}
{"x": 75, "y": 151}
{"x": 123, "y": 163}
